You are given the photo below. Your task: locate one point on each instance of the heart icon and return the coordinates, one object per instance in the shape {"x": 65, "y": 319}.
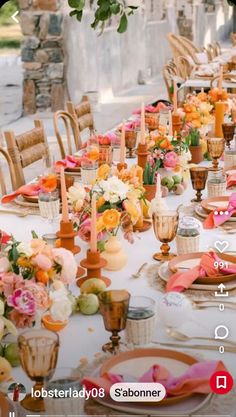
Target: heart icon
{"x": 221, "y": 245}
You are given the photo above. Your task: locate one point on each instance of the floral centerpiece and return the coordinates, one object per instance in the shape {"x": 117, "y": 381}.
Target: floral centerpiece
{"x": 25, "y": 270}
{"x": 118, "y": 203}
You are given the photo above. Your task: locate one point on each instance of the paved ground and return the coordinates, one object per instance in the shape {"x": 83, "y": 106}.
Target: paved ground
{"x": 111, "y": 113}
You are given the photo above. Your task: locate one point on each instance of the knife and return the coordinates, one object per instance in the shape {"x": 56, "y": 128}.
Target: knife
{"x": 228, "y": 349}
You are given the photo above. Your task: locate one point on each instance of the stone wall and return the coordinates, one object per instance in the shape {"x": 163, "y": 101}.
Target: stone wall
{"x": 42, "y": 55}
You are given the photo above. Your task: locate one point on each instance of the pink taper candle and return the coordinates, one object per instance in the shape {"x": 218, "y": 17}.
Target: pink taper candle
{"x": 220, "y": 83}
{"x": 122, "y": 145}
{"x": 175, "y": 100}
{"x": 65, "y": 210}
{"x": 93, "y": 240}
{"x": 143, "y": 130}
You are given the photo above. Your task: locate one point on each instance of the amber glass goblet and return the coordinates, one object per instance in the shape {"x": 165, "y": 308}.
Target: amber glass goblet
{"x": 215, "y": 148}
{"x": 165, "y": 225}
{"x": 114, "y": 305}
{"x": 38, "y": 356}
{"x": 198, "y": 178}
{"x": 228, "y": 132}
{"x": 130, "y": 142}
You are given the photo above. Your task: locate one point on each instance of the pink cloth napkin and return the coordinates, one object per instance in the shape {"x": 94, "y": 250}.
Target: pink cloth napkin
{"x": 231, "y": 180}
{"x": 152, "y": 109}
{"x": 213, "y": 220}
{"x": 180, "y": 281}
{"x": 29, "y": 189}
{"x": 68, "y": 162}
{"x": 194, "y": 380}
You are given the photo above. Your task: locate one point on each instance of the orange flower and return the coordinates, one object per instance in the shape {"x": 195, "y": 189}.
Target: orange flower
{"x": 103, "y": 172}
{"x": 100, "y": 225}
{"x": 48, "y": 183}
{"x": 101, "y": 200}
{"x": 202, "y": 96}
{"x": 132, "y": 210}
{"x": 165, "y": 144}
{"x": 24, "y": 262}
{"x": 42, "y": 276}
{"x": 93, "y": 153}
{"x": 189, "y": 108}
{"x": 111, "y": 218}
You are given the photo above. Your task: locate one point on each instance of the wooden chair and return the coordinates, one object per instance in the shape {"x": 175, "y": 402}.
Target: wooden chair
{"x": 228, "y": 85}
{"x": 71, "y": 126}
{"x": 82, "y": 113}
{"x": 11, "y": 172}
{"x": 169, "y": 72}
{"x": 27, "y": 148}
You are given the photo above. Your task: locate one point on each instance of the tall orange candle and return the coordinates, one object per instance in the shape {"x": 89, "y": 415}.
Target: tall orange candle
{"x": 65, "y": 209}
{"x": 122, "y": 145}
{"x": 220, "y": 83}
{"x": 175, "y": 100}
{"x": 143, "y": 130}
{"x": 219, "y": 118}
{"x": 170, "y": 124}
{"x": 93, "y": 239}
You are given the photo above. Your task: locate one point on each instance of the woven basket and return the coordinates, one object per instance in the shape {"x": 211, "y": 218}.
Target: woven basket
{"x": 216, "y": 190}
{"x": 187, "y": 244}
{"x": 140, "y": 332}
{"x": 49, "y": 209}
{"x": 88, "y": 176}
{"x": 229, "y": 160}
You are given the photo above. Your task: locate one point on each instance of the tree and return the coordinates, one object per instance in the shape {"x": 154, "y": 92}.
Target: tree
{"x": 105, "y": 9}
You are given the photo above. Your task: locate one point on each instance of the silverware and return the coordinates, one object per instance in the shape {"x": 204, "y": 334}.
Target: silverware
{"x": 16, "y": 212}
{"x": 228, "y": 349}
{"x": 185, "y": 338}
{"x": 138, "y": 273}
{"x": 208, "y": 304}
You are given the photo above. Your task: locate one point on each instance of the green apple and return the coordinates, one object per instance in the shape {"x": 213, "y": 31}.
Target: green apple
{"x": 88, "y": 304}
{"x": 167, "y": 182}
{"x": 177, "y": 179}
{"x": 11, "y": 353}
{"x": 93, "y": 286}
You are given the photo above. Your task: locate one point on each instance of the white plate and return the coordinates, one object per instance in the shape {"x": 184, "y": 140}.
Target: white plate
{"x": 165, "y": 274}
{"x": 202, "y": 213}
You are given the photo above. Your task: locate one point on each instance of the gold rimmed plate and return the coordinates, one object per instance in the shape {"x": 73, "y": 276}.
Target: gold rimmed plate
{"x": 183, "y": 263}
{"x": 216, "y": 203}
{"x": 136, "y": 362}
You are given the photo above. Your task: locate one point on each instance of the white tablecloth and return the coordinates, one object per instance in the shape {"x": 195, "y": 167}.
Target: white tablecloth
{"x": 77, "y": 341}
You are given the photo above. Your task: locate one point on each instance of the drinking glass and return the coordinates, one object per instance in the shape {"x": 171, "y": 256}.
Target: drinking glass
{"x": 49, "y": 205}
{"x": 228, "y": 132}
{"x": 114, "y": 306}
{"x": 165, "y": 225}
{"x": 141, "y": 320}
{"x": 215, "y": 148}
{"x": 198, "y": 178}
{"x": 89, "y": 170}
{"x": 130, "y": 142}
{"x": 38, "y": 351}
{"x": 65, "y": 380}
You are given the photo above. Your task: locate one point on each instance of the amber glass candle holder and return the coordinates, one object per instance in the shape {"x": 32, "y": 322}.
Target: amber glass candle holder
{"x": 215, "y": 148}
{"x": 165, "y": 224}
{"x": 198, "y": 178}
{"x": 228, "y": 132}
{"x": 38, "y": 356}
{"x": 114, "y": 305}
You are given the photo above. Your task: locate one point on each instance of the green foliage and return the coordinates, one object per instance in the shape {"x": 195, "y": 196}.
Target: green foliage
{"x": 149, "y": 175}
{"x": 6, "y": 11}
{"x": 104, "y": 11}
{"x": 193, "y": 138}
{"x": 9, "y": 43}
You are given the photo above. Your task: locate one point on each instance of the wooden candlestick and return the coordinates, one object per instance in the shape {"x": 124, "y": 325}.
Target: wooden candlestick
{"x": 176, "y": 123}
{"x": 67, "y": 235}
{"x": 93, "y": 264}
{"x": 121, "y": 166}
{"x": 142, "y": 153}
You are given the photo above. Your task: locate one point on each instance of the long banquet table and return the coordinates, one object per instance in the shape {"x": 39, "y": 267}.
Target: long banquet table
{"x": 85, "y": 335}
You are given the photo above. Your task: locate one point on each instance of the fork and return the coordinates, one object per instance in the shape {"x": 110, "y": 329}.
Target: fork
{"x": 138, "y": 273}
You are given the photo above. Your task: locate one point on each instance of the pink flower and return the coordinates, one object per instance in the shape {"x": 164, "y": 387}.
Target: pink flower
{"x": 22, "y": 301}
{"x": 85, "y": 231}
{"x": 21, "y": 320}
{"x": 39, "y": 293}
{"x": 67, "y": 264}
{"x": 10, "y": 282}
{"x": 170, "y": 161}
{"x": 42, "y": 261}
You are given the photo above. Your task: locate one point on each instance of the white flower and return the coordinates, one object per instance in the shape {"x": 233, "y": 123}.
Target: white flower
{"x": 2, "y": 308}
{"x": 76, "y": 193}
{"x": 114, "y": 189}
{"x": 66, "y": 260}
{"x": 58, "y": 295}
{"x": 61, "y": 310}
{"x": 4, "y": 265}
{"x": 25, "y": 248}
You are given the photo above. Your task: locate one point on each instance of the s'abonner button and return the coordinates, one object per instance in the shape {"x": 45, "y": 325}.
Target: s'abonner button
{"x": 137, "y": 392}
